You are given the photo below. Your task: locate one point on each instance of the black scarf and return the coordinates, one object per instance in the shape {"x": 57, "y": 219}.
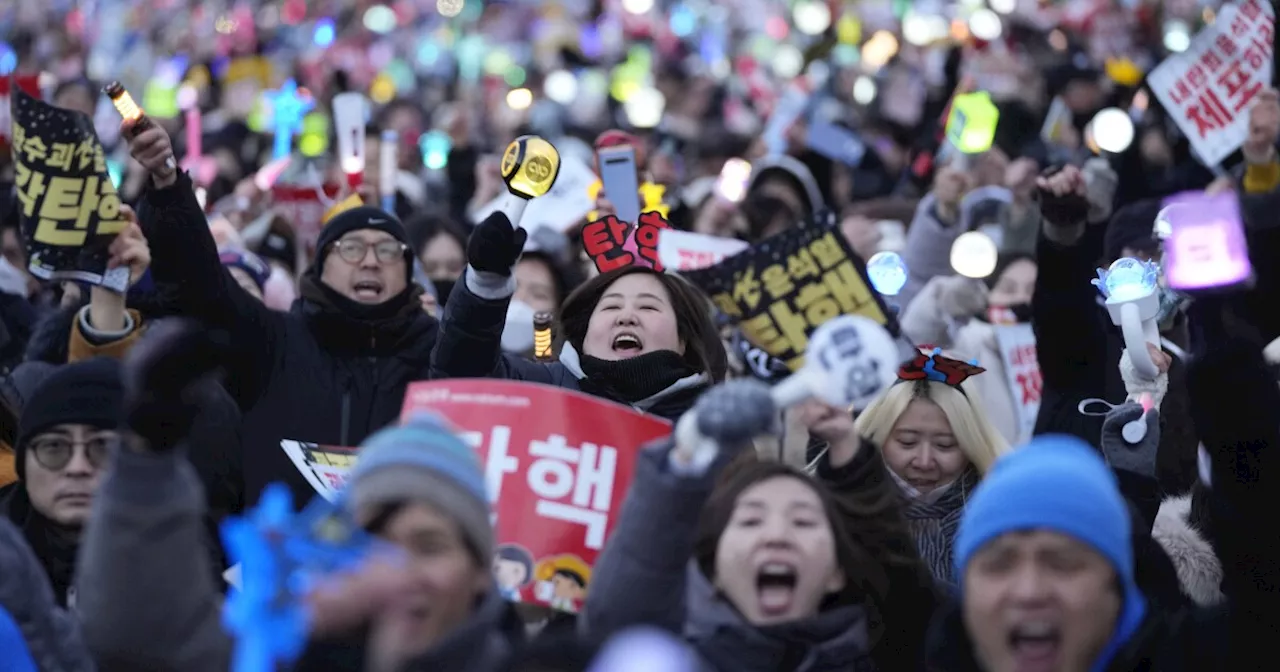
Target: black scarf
{"x": 348, "y": 324}
{"x": 934, "y": 524}
{"x": 634, "y": 379}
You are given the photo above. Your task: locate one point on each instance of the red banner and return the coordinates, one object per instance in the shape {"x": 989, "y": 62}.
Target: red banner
{"x": 302, "y": 207}
{"x": 557, "y": 467}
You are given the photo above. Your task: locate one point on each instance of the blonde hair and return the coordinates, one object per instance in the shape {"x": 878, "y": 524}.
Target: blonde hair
{"x": 978, "y": 439}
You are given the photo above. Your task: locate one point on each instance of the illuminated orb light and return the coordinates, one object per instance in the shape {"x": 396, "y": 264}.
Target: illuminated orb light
{"x": 887, "y": 272}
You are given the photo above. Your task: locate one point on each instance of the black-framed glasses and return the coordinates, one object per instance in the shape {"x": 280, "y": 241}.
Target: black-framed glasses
{"x": 54, "y": 452}
{"x": 353, "y": 250}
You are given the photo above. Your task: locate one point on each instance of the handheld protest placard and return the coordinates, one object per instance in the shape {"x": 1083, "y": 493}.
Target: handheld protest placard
{"x": 129, "y": 109}
{"x": 67, "y": 204}
{"x": 612, "y": 243}
{"x": 529, "y": 168}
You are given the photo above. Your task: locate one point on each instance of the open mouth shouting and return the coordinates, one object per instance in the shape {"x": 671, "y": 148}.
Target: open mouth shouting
{"x": 368, "y": 290}
{"x": 627, "y": 344}
{"x": 1035, "y": 645}
{"x": 776, "y": 588}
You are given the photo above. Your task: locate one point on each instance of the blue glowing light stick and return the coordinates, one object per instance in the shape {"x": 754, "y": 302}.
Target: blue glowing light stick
{"x": 288, "y": 107}
{"x": 280, "y": 556}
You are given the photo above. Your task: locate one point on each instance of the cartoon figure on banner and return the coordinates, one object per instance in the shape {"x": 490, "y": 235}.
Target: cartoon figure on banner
{"x": 605, "y": 241}
{"x": 562, "y": 581}
{"x": 512, "y": 570}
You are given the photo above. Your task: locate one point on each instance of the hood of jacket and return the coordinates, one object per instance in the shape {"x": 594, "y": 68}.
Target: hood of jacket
{"x": 1198, "y": 567}
{"x": 796, "y": 169}
{"x": 835, "y": 639}
{"x": 679, "y": 394}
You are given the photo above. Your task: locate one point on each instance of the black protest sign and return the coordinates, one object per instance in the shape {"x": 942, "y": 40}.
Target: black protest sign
{"x": 782, "y": 288}
{"x": 69, "y": 208}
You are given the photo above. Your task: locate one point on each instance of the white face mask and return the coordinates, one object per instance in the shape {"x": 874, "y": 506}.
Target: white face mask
{"x": 517, "y": 336}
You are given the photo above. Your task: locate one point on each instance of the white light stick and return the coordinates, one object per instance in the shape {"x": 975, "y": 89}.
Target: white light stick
{"x": 388, "y": 169}
{"x": 350, "y": 112}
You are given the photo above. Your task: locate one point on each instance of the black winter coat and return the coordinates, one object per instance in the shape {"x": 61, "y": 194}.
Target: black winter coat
{"x": 313, "y": 374}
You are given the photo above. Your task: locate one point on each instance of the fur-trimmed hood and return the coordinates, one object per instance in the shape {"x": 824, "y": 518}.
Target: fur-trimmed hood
{"x": 1199, "y": 570}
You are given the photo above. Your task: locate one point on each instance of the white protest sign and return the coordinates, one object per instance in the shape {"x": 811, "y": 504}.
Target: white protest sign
{"x": 1209, "y": 88}
{"x": 562, "y": 207}
{"x": 684, "y": 251}
{"x": 1022, "y": 371}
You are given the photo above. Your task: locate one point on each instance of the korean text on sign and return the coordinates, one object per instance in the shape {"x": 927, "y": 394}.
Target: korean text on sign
{"x": 1209, "y": 87}
{"x": 557, "y": 467}
{"x": 1022, "y": 374}
{"x": 784, "y": 288}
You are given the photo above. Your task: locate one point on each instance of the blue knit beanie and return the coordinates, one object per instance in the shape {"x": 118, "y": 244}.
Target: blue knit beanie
{"x": 14, "y": 654}
{"x": 1060, "y": 484}
{"x": 423, "y": 460}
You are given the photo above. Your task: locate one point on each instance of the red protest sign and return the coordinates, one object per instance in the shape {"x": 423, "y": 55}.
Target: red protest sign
{"x": 301, "y": 206}
{"x": 612, "y": 243}
{"x": 557, "y": 467}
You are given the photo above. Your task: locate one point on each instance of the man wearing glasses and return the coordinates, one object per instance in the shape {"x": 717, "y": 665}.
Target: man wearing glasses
{"x": 68, "y": 429}
{"x": 329, "y": 372}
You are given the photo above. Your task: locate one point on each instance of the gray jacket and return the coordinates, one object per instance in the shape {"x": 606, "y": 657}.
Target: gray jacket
{"x": 144, "y": 586}
{"x": 51, "y": 633}
{"x": 645, "y": 577}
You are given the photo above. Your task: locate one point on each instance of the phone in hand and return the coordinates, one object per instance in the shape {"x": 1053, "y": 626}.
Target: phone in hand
{"x": 733, "y": 181}
{"x": 836, "y": 142}
{"x": 621, "y": 180}
{"x": 1205, "y": 250}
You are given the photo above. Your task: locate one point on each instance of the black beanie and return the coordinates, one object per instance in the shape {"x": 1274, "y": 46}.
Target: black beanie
{"x": 85, "y": 393}
{"x": 363, "y": 217}
{"x": 1132, "y": 226}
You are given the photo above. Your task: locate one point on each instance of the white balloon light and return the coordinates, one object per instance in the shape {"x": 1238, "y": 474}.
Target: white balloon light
{"x": 1112, "y": 130}
{"x": 561, "y": 86}
{"x": 645, "y": 107}
{"x": 864, "y": 90}
{"x": 811, "y": 17}
{"x": 974, "y": 255}
{"x": 519, "y": 99}
{"x": 985, "y": 25}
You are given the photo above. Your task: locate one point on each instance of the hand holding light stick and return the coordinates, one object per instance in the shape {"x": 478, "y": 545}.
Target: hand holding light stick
{"x": 529, "y": 169}
{"x": 1134, "y": 304}
{"x": 133, "y": 114}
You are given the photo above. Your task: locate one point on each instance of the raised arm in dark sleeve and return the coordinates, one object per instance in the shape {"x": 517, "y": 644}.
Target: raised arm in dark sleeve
{"x": 185, "y": 258}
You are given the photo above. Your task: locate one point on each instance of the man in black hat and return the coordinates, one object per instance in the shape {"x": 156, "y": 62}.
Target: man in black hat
{"x": 333, "y": 369}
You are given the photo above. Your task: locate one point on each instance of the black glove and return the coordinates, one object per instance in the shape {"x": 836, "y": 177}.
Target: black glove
{"x": 162, "y": 374}
{"x": 1066, "y": 210}
{"x": 495, "y": 245}
{"x": 735, "y": 412}
{"x": 1130, "y": 441}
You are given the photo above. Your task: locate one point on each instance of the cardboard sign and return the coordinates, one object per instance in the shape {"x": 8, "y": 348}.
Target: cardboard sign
{"x": 562, "y": 207}
{"x": 784, "y": 287}
{"x": 606, "y": 242}
{"x": 1022, "y": 370}
{"x": 557, "y": 467}
{"x": 1209, "y": 88}
{"x": 683, "y": 251}
{"x": 69, "y": 207}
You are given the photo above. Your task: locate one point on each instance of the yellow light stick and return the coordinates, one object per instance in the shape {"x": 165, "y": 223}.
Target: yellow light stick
{"x": 542, "y": 337}
{"x": 132, "y": 113}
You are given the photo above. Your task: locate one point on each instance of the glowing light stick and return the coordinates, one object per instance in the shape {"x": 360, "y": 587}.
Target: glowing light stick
{"x": 529, "y": 168}
{"x": 542, "y": 337}
{"x": 129, "y": 109}
{"x": 288, "y": 107}
{"x": 388, "y": 169}
{"x": 1129, "y": 286}
{"x": 349, "y": 113}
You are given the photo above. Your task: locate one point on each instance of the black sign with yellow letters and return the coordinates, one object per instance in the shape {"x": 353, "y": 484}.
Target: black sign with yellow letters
{"x": 784, "y": 287}
{"x": 70, "y": 210}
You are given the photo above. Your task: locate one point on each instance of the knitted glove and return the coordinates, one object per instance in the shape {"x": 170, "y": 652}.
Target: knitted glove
{"x": 1121, "y": 444}
{"x": 495, "y": 245}
{"x": 1100, "y": 184}
{"x": 161, "y": 374}
{"x": 1135, "y": 386}
{"x": 961, "y": 297}
{"x": 735, "y": 412}
{"x": 1069, "y": 209}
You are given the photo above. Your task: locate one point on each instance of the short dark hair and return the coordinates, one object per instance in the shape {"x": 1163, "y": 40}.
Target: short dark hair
{"x": 514, "y": 553}
{"x": 427, "y": 225}
{"x": 703, "y": 349}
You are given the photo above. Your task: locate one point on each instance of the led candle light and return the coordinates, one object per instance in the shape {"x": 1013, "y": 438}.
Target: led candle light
{"x": 129, "y": 109}
{"x": 388, "y": 169}
{"x": 350, "y": 112}
{"x": 542, "y": 337}
{"x": 974, "y": 255}
{"x": 529, "y": 168}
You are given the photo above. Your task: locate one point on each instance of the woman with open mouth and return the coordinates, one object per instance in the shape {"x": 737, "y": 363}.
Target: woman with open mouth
{"x": 755, "y": 563}
{"x": 633, "y": 335}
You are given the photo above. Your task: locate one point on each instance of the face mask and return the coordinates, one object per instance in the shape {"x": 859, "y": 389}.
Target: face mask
{"x": 443, "y": 288}
{"x": 517, "y": 336}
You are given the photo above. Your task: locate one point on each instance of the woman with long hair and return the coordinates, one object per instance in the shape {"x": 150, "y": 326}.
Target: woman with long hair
{"x": 937, "y": 443}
